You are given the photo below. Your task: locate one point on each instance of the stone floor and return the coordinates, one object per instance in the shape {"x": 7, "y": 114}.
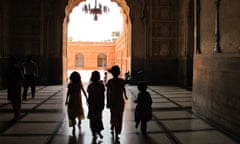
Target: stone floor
{"x": 44, "y": 120}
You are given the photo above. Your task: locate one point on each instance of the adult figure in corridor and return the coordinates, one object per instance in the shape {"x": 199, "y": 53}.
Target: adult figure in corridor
{"x": 116, "y": 96}
{"x": 14, "y": 85}
{"x": 96, "y": 95}
{"x": 30, "y": 71}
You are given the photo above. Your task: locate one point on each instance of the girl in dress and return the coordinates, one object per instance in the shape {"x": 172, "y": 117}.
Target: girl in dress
{"x": 74, "y": 100}
{"x": 95, "y": 104}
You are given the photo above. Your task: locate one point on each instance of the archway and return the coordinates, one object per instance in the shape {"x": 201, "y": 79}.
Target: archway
{"x": 127, "y": 36}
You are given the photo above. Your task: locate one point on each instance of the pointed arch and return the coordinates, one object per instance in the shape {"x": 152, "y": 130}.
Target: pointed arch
{"x": 126, "y": 61}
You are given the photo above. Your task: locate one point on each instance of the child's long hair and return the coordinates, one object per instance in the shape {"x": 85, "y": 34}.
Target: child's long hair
{"x": 75, "y": 77}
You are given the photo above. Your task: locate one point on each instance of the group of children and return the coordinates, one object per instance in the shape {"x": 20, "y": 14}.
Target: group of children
{"x": 116, "y": 97}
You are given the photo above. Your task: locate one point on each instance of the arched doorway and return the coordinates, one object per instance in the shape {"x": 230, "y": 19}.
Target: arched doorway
{"x": 126, "y": 42}
{"x": 159, "y": 39}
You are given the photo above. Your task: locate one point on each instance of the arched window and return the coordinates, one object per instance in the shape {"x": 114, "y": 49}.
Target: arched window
{"x": 102, "y": 60}
{"x": 79, "y": 61}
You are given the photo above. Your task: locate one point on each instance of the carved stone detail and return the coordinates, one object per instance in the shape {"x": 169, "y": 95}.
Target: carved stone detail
{"x": 163, "y": 47}
{"x": 164, "y": 27}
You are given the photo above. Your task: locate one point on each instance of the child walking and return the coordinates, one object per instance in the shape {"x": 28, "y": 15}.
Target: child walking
{"x": 96, "y": 104}
{"x": 143, "y": 111}
{"x": 74, "y": 100}
{"x": 116, "y": 97}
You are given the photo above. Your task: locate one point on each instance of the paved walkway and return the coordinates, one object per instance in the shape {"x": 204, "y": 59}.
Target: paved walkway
{"x": 44, "y": 120}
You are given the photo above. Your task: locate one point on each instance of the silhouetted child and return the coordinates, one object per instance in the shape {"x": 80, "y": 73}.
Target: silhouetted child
{"x": 143, "y": 111}
{"x": 116, "y": 96}
{"x": 74, "y": 100}
{"x": 95, "y": 104}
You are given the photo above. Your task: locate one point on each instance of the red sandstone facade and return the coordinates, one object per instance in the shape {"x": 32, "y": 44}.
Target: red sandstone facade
{"x": 90, "y": 55}
{"x": 98, "y": 55}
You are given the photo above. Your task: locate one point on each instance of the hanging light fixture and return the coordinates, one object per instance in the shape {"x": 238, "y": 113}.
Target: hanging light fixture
{"x": 96, "y": 10}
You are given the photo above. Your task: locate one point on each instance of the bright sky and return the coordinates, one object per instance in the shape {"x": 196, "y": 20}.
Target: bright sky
{"x": 82, "y": 27}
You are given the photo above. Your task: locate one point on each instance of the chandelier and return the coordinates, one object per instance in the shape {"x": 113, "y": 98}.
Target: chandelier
{"x": 96, "y": 10}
